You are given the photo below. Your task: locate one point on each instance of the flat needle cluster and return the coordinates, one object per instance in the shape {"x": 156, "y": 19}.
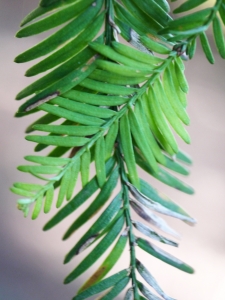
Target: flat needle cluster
{"x": 119, "y": 107}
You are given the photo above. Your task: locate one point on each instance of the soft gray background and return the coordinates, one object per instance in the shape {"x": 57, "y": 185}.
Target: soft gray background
{"x": 31, "y": 261}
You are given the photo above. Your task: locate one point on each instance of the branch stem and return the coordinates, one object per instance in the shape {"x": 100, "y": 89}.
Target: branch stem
{"x": 127, "y": 214}
{"x": 108, "y": 27}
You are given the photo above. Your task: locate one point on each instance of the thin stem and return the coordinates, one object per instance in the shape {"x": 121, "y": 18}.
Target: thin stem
{"x": 127, "y": 214}
{"x": 108, "y": 27}
{"x": 215, "y": 9}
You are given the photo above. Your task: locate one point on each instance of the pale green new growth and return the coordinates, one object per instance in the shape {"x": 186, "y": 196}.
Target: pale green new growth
{"x": 117, "y": 106}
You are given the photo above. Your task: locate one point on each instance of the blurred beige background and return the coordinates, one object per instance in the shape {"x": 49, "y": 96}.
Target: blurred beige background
{"x": 31, "y": 261}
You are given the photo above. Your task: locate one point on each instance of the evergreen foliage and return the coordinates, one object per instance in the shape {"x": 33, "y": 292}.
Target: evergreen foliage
{"x": 116, "y": 106}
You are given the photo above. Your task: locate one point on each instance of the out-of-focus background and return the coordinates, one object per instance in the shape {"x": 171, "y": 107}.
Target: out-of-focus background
{"x": 31, "y": 261}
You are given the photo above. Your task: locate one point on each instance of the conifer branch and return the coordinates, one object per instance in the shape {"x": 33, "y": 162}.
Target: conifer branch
{"x": 114, "y": 105}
